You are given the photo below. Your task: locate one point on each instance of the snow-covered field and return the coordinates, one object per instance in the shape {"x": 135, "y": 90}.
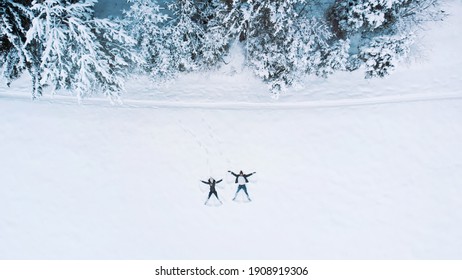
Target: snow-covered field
{"x": 346, "y": 169}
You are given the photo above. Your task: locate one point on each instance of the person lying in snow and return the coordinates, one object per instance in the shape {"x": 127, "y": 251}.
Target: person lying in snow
{"x": 241, "y": 180}
{"x": 211, "y": 182}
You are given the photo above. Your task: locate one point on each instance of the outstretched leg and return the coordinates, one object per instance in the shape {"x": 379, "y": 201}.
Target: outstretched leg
{"x": 210, "y": 194}
{"x": 216, "y": 195}
{"x": 246, "y": 193}
{"x": 239, "y": 188}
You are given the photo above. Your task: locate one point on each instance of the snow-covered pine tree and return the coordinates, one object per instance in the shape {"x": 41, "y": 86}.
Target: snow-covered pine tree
{"x": 183, "y": 37}
{"x": 214, "y": 42}
{"x": 383, "y": 31}
{"x": 117, "y": 56}
{"x": 380, "y": 55}
{"x": 145, "y": 22}
{"x": 262, "y": 27}
{"x": 15, "y": 17}
{"x": 283, "y": 42}
{"x": 192, "y": 38}
{"x": 69, "y": 49}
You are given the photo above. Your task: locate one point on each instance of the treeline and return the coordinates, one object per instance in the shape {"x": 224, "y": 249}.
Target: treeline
{"x": 62, "y": 45}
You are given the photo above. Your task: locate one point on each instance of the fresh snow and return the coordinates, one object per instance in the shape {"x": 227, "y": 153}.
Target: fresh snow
{"x": 346, "y": 168}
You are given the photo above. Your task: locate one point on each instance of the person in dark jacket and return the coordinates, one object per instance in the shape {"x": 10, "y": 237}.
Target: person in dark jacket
{"x": 212, "y": 183}
{"x": 241, "y": 180}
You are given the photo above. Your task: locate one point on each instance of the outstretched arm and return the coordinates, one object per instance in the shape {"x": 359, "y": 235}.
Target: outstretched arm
{"x": 250, "y": 174}
{"x": 205, "y": 182}
{"x": 219, "y": 181}
{"x": 234, "y": 174}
